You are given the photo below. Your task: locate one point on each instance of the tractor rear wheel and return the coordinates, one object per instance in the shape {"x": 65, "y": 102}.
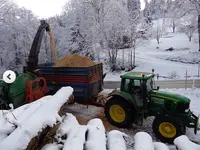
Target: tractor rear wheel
{"x": 119, "y": 112}
{"x": 167, "y": 129}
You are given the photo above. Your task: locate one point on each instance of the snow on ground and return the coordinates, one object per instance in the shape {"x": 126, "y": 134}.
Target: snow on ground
{"x": 19, "y": 128}
{"x": 183, "y": 50}
{"x": 85, "y": 121}
{"x": 86, "y": 113}
{"x": 153, "y": 55}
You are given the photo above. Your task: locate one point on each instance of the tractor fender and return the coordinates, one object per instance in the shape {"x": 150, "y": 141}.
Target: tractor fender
{"x": 123, "y": 95}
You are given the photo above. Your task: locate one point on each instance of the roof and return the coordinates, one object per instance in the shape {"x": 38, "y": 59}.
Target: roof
{"x": 137, "y": 75}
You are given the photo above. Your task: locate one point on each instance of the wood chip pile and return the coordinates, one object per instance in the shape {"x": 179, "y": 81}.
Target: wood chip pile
{"x": 74, "y": 60}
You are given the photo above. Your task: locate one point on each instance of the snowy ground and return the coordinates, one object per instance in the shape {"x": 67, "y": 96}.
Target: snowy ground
{"x": 75, "y": 128}
{"x": 84, "y": 114}
{"x": 155, "y": 56}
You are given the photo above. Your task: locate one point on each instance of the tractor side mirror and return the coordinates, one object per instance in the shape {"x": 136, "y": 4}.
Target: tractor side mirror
{"x": 158, "y": 87}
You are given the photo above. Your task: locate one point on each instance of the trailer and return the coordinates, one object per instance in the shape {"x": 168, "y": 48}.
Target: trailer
{"x": 87, "y": 82}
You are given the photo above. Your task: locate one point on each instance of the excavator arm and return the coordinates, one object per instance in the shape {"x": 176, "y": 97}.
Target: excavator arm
{"x": 32, "y": 62}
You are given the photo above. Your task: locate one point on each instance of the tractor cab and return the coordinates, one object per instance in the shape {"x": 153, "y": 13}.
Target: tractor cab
{"x": 138, "y": 85}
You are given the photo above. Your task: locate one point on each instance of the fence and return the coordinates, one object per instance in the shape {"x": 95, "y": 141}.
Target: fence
{"x": 161, "y": 83}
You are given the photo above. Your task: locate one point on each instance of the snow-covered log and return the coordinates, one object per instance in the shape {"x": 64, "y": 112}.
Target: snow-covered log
{"x": 69, "y": 121}
{"x": 160, "y": 146}
{"x": 96, "y": 137}
{"x": 97, "y": 123}
{"x": 143, "y": 141}
{"x": 75, "y": 138}
{"x": 46, "y": 115}
{"x": 183, "y": 143}
{"x": 116, "y": 140}
{"x": 53, "y": 146}
{"x": 10, "y": 119}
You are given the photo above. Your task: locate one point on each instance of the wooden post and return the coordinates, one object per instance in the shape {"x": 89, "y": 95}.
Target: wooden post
{"x": 193, "y": 84}
{"x": 198, "y": 69}
{"x": 186, "y": 80}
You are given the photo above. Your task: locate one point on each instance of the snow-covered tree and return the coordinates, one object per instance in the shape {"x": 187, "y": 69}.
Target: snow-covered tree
{"x": 189, "y": 26}
{"x": 157, "y": 31}
{"x": 196, "y": 7}
{"x": 77, "y": 39}
{"x": 17, "y": 31}
{"x": 134, "y": 9}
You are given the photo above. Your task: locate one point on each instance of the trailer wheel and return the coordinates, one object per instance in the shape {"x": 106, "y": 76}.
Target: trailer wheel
{"x": 167, "y": 129}
{"x": 119, "y": 112}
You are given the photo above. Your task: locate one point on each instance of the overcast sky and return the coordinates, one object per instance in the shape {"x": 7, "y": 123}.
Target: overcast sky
{"x": 43, "y": 8}
{"x": 46, "y": 8}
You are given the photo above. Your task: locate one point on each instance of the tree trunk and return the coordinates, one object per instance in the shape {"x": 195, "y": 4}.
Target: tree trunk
{"x": 173, "y": 25}
{"x": 123, "y": 58}
{"x": 2, "y": 62}
{"x": 190, "y": 38}
{"x": 131, "y": 58}
{"x": 174, "y": 29}
{"x": 158, "y": 40}
{"x": 199, "y": 29}
{"x": 134, "y": 58}
{"x": 113, "y": 58}
{"x": 163, "y": 24}
{"x": 157, "y": 36}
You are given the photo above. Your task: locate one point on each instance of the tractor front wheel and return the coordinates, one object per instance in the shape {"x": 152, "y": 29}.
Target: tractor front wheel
{"x": 167, "y": 129}
{"x": 119, "y": 112}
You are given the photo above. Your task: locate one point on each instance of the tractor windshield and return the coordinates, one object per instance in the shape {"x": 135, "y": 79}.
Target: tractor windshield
{"x": 149, "y": 84}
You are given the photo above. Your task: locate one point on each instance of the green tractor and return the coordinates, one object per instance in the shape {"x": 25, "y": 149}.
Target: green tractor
{"x": 137, "y": 99}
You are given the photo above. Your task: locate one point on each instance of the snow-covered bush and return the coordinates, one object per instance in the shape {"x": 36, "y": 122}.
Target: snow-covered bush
{"x": 173, "y": 75}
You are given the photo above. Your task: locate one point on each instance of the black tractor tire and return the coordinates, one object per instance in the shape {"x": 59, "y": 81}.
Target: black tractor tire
{"x": 176, "y": 128}
{"x": 122, "y": 104}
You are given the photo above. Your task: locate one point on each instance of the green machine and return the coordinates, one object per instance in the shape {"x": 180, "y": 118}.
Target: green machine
{"x": 15, "y": 93}
{"x": 27, "y": 87}
{"x": 137, "y": 100}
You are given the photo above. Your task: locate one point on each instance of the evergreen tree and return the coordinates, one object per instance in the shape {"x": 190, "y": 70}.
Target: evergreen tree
{"x": 77, "y": 40}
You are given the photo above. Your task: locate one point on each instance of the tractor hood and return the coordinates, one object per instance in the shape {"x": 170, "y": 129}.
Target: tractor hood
{"x": 169, "y": 96}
